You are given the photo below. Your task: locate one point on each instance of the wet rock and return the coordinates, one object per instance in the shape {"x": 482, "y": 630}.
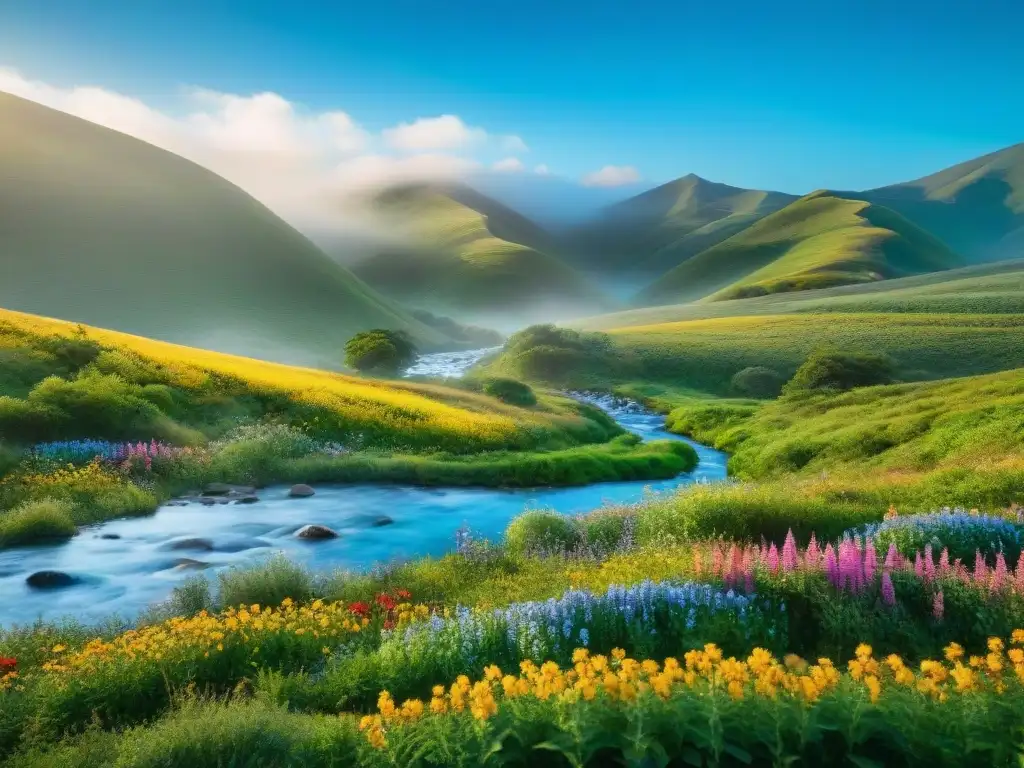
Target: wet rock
{"x": 251, "y": 498}
{"x": 217, "y": 489}
{"x": 110, "y": 535}
{"x": 176, "y": 503}
{"x": 381, "y": 520}
{"x": 51, "y": 580}
{"x": 206, "y": 501}
{"x": 240, "y": 545}
{"x": 196, "y": 545}
{"x": 188, "y": 564}
{"x": 316, "y": 532}
{"x": 300, "y": 491}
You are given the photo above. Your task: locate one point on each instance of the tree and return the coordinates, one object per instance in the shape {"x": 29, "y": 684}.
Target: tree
{"x": 758, "y": 381}
{"x": 381, "y": 351}
{"x": 840, "y": 371}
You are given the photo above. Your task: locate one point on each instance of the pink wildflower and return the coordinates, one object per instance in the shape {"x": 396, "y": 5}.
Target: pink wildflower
{"x": 773, "y": 558}
{"x": 716, "y": 560}
{"x": 918, "y": 565}
{"x": 944, "y": 561}
{"x": 813, "y": 555}
{"x": 999, "y": 575}
{"x": 789, "y": 560}
{"x": 980, "y": 569}
{"x": 891, "y": 556}
{"x": 929, "y": 563}
{"x": 748, "y": 582}
{"x": 938, "y": 606}
{"x": 1018, "y": 576}
{"x": 831, "y": 566}
{"x": 870, "y": 561}
{"x": 888, "y": 591}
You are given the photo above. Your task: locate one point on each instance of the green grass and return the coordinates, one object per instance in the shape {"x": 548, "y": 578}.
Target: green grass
{"x": 817, "y": 242}
{"x": 469, "y": 254}
{"x": 33, "y": 521}
{"x": 150, "y": 243}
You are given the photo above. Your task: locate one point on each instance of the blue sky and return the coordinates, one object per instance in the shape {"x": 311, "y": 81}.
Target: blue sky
{"x": 782, "y": 95}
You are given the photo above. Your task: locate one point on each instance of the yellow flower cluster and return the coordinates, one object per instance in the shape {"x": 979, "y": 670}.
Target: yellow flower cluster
{"x": 406, "y": 613}
{"x": 88, "y": 477}
{"x": 8, "y": 680}
{"x": 205, "y": 634}
{"x": 622, "y": 679}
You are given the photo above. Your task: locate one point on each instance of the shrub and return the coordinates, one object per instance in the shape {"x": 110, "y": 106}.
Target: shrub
{"x": 23, "y": 422}
{"x": 538, "y": 530}
{"x": 36, "y": 521}
{"x": 840, "y": 371}
{"x": 510, "y": 391}
{"x": 758, "y": 381}
{"x": 550, "y": 353}
{"x": 268, "y": 583}
{"x": 380, "y": 351}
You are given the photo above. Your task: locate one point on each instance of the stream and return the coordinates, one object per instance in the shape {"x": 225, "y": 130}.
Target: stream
{"x": 123, "y": 566}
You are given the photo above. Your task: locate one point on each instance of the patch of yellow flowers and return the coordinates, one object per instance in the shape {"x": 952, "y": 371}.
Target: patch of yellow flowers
{"x": 622, "y": 679}
{"x": 205, "y": 634}
{"x": 88, "y": 477}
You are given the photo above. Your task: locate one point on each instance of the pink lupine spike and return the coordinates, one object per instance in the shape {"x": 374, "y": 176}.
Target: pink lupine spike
{"x": 888, "y": 591}
{"x": 749, "y": 559}
{"x": 980, "y": 569}
{"x": 938, "y": 606}
{"x": 1018, "y": 575}
{"x": 918, "y": 565}
{"x": 999, "y": 574}
{"x": 735, "y": 561}
{"x": 831, "y": 566}
{"x": 944, "y": 561}
{"x": 716, "y": 560}
{"x": 929, "y": 563}
{"x": 813, "y": 555}
{"x": 773, "y": 558}
{"x": 891, "y": 556}
{"x": 789, "y": 559}
{"x": 870, "y": 561}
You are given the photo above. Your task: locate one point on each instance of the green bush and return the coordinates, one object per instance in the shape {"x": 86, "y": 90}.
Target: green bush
{"x": 840, "y": 371}
{"x": 538, "y": 530}
{"x": 268, "y": 583}
{"x": 22, "y": 421}
{"x": 34, "y": 521}
{"x": 380, "y": 351}
{"x": 759, "y": 382}
{"x": 510, "y": 391}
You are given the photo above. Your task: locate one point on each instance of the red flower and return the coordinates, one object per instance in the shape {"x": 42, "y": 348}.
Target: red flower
{"x": 8, "y": 663}
{"x": 389, "y": 624}
{"x": 387, "y": 602}
{"x": 404, "y": 594}
{"x": 359, "y": 609}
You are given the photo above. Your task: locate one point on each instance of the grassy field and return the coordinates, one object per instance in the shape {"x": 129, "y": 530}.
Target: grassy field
{"x": 981, "y": 289}
{"x": 817, "y": 242}
{"x": 468, "y": 254}
{"x": 104, "y": 229}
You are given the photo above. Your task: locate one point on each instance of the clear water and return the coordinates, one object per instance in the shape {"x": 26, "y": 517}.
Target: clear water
{"x": 125, "y": 575}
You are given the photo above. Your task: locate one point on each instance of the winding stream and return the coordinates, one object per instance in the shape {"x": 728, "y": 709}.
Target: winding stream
{"x": 124, "y": 565}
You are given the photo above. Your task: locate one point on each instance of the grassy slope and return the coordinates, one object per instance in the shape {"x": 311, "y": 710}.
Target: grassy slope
{"x": 663, "y": 227}
{"x": 980, "y": 289}
{"x": 101, "y": 228}
{"x": 819, "y": 241}
{"x": 409, "y": 412}
{"x": 977, "y": 207}
{"x": 469, "y": 253}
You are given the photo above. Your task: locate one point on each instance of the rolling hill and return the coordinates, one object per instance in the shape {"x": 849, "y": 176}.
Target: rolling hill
{"x": 104, "y": 229}
{"x": 659, "y": 229}
{"x": 468, "y": 255}
{"x": 821, "y": 240}
{"x": 976, "y": 207}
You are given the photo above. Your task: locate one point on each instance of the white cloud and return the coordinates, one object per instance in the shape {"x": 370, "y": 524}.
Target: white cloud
{"x": 509, "y": 165}
{"x": 303, "y": 165}
{"x": 612, "y": 176}
{"x": 432, "y": 133}
{"x": 514, "y": 145}
{"x": 542, "y": 170}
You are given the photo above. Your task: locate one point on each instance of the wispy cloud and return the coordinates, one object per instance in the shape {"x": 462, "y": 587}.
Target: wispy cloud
{"x": 509, "y": 165}
{"x": 612, "y": 176}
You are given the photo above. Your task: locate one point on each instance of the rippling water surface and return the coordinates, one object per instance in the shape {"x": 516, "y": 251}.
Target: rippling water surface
{"x": 123, "y": 575}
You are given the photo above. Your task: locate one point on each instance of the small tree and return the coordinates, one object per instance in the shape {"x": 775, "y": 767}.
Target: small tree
{"x": 380, "y": 351}
{"x": 840, "y": 371}
{"x": 758, "y": 381}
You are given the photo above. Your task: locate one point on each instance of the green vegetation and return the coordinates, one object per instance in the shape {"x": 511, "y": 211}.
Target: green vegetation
{"x": 380, "y": 351}
{"x": 468, "y": 254}
{"x": 759, "y": 382}
{"x": 510, "y": 391}
{"x": 153, "y": 244}
{"x": 817, "y": 242}
{"x": 839, "y": 371}
{"x": 35, "y": 521}
{"x": 655, "y": 231}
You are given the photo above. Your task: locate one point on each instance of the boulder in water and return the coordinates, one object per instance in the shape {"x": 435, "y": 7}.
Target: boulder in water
{"x": 51, "y": 580}
{"x": 198, "y": 545}
{"x": 188, "y": 564}
{"x": 176, "y": 503}
{"x": 110, "y": 535}
{"x": 381, "y": 520}
{"x": 217, "y": 489}
{"x": 251, "y": 498}
{"x": 300, "y": 491}
{"x": 315, "y": 532}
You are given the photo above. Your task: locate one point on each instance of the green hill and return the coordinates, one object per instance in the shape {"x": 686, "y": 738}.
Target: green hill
{"x": 470, "y": 256}
{"x": 819, "y": 241}
{"x": 104, "y": 229}
{"x": 994, "y": 288}
{"x": 653, "y": 232}
{"x": 976, "y": 207}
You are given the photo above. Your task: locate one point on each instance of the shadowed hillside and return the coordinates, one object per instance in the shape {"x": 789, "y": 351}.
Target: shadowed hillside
{"x": 663, "y": 227}
{"x": 976, "y": 207}
{"x": 99, "y": 227}
{"x": 819, "y": 241}
{"x": 470, "y": 256}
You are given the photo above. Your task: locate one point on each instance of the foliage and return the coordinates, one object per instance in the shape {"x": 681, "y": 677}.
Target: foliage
{"x": 959, "y": 532}
{"x": 537, "y": 530}
{"x": 510, "y": 391}
{"x": 32, "y": 521}
{"x": 840, "y": 371}
{"x": 758, "y": 381}
{"x": 380, "y": 351}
